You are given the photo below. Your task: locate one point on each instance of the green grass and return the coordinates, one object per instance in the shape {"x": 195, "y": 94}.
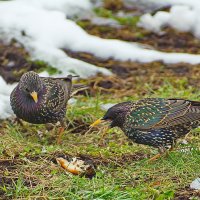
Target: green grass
{"x": 127, "y": 20}
{"x": 43, "y": 66}
{"x": 29, "y": 170}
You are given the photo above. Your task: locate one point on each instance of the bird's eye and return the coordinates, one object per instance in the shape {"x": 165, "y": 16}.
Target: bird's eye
{"x": 27, "y": 90}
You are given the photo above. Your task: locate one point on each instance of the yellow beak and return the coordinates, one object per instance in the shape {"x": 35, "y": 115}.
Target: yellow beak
{"x": 34, "y": 96}
{"x": 98, "y": 121}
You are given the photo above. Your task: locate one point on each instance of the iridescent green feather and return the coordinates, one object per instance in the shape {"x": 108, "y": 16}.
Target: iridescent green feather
{"x": 147, "y": 113}
{"x": 161, "y": 113}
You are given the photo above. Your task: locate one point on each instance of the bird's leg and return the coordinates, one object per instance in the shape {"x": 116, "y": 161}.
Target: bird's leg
{"x": 155, "y": 157}
{"x": 21, "y": 124}
{"x": 161, "y": 150}
{"x": 173, "y": 146}
{"x": 61, "y": 131}
{"x": 17, "y": 120}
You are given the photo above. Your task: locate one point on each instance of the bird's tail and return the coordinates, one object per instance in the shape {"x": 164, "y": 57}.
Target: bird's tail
{"x": 66, "y": 78}
{"x": 68, "y": 82}
{"x": 73, "y": 87}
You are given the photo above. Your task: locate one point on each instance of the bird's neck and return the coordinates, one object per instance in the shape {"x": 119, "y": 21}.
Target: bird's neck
{"x": 27, "y": 101}
{"x": 118, "y": 121}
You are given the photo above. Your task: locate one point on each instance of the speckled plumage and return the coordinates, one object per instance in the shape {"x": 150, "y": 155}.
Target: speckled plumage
{"x": 53, "y": 95}
{"x": 155, "y": 122}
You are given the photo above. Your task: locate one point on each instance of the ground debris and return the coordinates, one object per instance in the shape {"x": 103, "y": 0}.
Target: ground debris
{"x": 116, "y": 161}
{"x": 186, "y": 194}
{"x": 13, "y": 62}
{"x": 130, "y": 77}
{"x": 170, "y": 41}
{"x": 78, "y": 126}
{"x": 10, "y": 173}
{"x": 77, "y": 166}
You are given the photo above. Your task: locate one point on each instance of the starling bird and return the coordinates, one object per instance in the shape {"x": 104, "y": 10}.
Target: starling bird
{"x": 41, "y": 100}
{"x": 155, "y": 122}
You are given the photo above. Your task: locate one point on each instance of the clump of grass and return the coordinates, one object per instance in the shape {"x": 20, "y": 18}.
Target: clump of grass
{"x": 122, "y": 169}
{"x": 130, "y": 21}
{"x": 43, "y": 66}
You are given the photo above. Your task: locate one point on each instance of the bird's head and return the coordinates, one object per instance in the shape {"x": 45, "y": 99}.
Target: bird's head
{"x": 115, "y": 115}
{"x": 31, "y": 85}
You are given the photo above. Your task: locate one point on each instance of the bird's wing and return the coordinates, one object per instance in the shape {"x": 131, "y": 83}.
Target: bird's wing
{"x": 57, "y": 95}
{"x": 160, "y": 113}
{"x": 66, "y": 82}
{"x": 69, "y": 77}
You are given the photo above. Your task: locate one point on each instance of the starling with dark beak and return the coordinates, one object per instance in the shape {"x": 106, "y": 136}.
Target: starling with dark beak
{"x": 155, "y": 122}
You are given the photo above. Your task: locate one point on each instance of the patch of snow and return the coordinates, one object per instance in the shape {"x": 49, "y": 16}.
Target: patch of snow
{"x": 69, "y": 7}
{"x": 44, "y": 150}
{"x": 186, "y": 150}
{"x": 72, "y": 101}
{"x": 5, "y": 108}
{"x": 154, "y": 23}
{"x": 195, "y": 184}
{"x": 46, "y": 32}
{"x": 11, "y": 64}
{"x": 44, "y": 74}
{"x": 40, "y": 133}
{"x": 184, "y": 141}
{"x": 192, "y": 3}
{"x": 145, "y": 5}
{"x": 182, "y": 16}
{"x": 107, "y": 106}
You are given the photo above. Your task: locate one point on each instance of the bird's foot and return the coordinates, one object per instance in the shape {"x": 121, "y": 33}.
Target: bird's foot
{"x": 18, "y": 121}
{"x": 172, "y": 148}
{"x": 162, "y": 152}
{"x": 155, "y": 157}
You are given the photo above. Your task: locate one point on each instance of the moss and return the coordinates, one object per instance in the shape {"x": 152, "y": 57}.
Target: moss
{"x": 128, "y": 21}
{"x": 43, "y": 66}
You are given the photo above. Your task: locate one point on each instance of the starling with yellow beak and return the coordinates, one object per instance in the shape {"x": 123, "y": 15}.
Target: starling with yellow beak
{"x": 156, "y": 122}
{"x": 41, "y": 100}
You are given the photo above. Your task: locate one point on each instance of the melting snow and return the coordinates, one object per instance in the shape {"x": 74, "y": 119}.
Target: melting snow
{"x": 195, "y": 184}
{"x": 107, "y": 106}
{"x": 46, "y": 32}
{"x": 6, "y": 89}
{"x": 183, "y": 16}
